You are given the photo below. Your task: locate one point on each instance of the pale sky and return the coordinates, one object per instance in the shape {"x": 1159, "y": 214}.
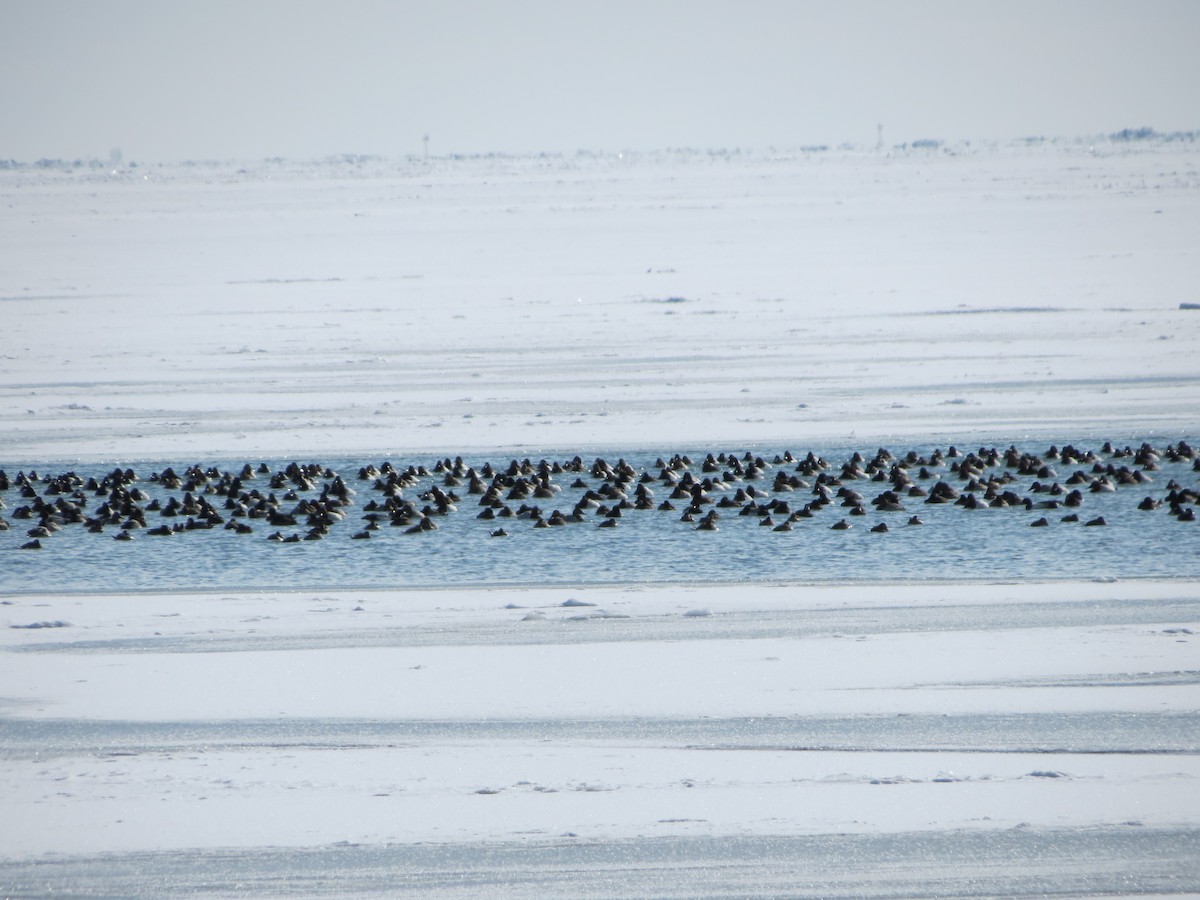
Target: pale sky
{"x": 238, "y": 79}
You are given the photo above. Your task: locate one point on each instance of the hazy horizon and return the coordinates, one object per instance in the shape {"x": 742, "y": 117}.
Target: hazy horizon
{"x": 307, "y": 79}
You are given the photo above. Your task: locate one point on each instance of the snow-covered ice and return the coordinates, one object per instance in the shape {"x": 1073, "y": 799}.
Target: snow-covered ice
{"x": 182, "y": 726}
{"x": 926, "y": 738}
{"x": 669, "y": 300}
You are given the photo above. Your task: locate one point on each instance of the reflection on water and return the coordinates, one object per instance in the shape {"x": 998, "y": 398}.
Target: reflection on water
{"x": 750, "y": 540}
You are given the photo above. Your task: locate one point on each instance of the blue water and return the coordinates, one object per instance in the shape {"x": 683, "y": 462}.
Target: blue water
{"x": 645, "y": 546}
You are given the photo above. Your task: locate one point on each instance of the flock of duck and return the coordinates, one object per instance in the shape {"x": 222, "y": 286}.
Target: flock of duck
{"x": 303, "y": 502}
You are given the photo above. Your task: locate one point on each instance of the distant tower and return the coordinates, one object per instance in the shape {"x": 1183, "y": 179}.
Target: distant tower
{"x": 426, "y": 141}
{"x": 879, "y": 138}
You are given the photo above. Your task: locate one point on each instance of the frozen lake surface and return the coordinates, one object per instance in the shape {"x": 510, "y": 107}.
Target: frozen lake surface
{"x": 1147, "y": 862}
{"x": 1012, "y": 292}
{"x": 968, "y": 707}
{"x": 627, "y": 740}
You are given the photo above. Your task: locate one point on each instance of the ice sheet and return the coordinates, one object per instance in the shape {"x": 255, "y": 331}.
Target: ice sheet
{"x": 721, "y": 739}
{"x": 656, "y": 300}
